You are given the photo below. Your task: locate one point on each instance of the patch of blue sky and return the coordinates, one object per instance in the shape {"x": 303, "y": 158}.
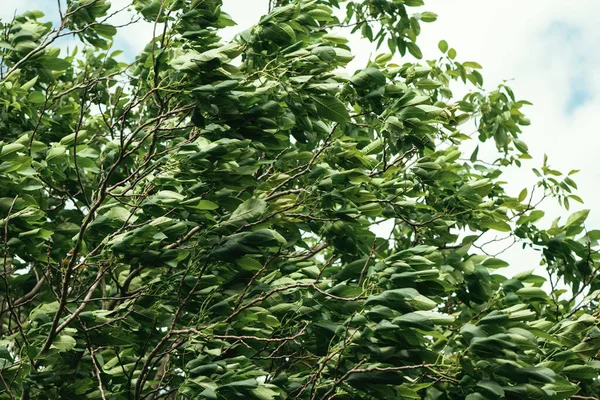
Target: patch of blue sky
{"x": 11, "y": 8}
{"x": 579, "y": 94}
{"x": 567, "y": 40}
{"x": 124, "y": 45}
{"x": 564, "y": 31}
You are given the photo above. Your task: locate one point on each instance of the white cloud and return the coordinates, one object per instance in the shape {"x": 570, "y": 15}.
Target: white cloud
{"x": 245, "y": 13}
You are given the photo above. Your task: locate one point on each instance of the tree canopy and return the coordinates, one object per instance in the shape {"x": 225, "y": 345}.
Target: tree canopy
{"x": 205, "y": 220}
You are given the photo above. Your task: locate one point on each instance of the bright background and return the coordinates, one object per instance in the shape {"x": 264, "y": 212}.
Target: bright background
{"x": 547, "y": 50}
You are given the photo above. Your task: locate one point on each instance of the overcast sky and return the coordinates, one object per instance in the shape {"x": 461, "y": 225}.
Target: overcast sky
{"x": 548, "y": 51}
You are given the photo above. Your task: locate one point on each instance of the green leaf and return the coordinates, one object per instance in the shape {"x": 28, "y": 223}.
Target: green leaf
{"x": 522, "y": 195}
{"x": 500, "y": 226}
{"x": 249, "y": 210}
{"x": 400, "y": 298}
{"x": 368, "y": 77}
{"x": 414, "y": 50}
{"x": 521, "y": 145}
{"x": 30, "y": 83}
{"x": 36, "y": 97}
{"x": 414, "y": 320}
{"x": 443, "y": 46}
{"x": 263, "y": 392}
{"x": 169, "y": 196}
{"x": 473, "y": 157}
{"x": 580, "y": 372}
{"x": 240, "y": 384}
{"x": 64, "y": 343}
{"x": 206, "y": 205}
{"x": 337, "y": 39}
{"x": 577, "y": 218}
{"x": 436, "y": 318}
{"x": 331, "y": 108}
{"x": 325, "y": 53}
{"x": 108, "y": 31}
{"x": 407, "y": 392}
{"x": 475, "y": 396}
{"x": 11, "y": 149}
{"x": 472, "y": 64}
{"x": 249, "y": 264}
{"x": 54, "y": 63}
{"x": 531, "y": 292}
{"x": 55, "y": 152}
{"x": 492, "y": 388}
{"x": 563, "y": 388}
{"x": 495, "y": 263}
{"x": 382, "y": 59}
{"x": 428, "y": 16}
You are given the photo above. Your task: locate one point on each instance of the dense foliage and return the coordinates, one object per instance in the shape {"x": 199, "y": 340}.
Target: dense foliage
{"x": 205, "y": 222}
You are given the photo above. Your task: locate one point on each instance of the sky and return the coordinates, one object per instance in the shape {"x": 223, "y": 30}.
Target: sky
{"x": 547, "y": 51}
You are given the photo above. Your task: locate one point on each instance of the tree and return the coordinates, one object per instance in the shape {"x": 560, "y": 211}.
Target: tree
{"x": 202, "y": 222}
